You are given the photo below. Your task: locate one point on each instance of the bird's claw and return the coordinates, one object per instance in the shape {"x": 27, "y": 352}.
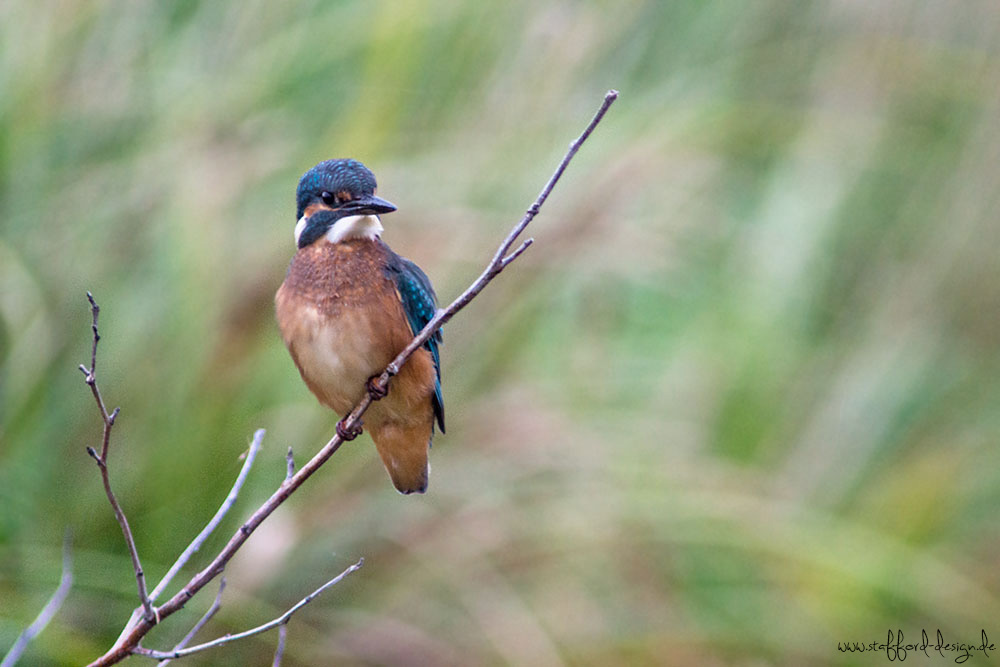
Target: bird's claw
{"x": 376, "y": 391}
{"x": 347, "y": 434}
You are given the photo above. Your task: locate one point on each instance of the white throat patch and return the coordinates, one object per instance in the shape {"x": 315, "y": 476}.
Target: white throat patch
{"x": 350, "y": 227}
{"x": 355, "y": 227}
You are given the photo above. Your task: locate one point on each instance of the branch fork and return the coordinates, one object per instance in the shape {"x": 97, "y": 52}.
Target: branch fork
{"x": 90, "y": 377}
{"x": 141, "y": 623}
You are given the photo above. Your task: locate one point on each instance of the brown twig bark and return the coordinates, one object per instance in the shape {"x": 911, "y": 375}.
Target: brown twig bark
{"x": 129, "y": 644}
{"x": 90, "y": 377}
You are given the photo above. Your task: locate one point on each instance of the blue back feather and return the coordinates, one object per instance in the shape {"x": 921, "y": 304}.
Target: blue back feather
{"x": 420, "y": 305}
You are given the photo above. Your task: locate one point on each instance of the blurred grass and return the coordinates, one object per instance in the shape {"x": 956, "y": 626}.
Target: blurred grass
{"x": 736, "y": 405}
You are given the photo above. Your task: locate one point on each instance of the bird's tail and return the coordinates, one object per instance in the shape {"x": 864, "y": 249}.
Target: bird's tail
{"x": 404, "y": 452}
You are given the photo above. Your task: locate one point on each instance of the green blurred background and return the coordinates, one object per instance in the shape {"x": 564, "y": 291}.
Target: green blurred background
{"x": 737, "y": 404}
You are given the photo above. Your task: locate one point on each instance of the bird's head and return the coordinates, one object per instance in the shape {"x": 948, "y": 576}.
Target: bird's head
{"x": 336, "y": 200}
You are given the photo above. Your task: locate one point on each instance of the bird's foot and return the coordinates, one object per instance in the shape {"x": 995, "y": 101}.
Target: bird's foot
{"x": 374, "y": 390}
{"x": 347, "y": 434}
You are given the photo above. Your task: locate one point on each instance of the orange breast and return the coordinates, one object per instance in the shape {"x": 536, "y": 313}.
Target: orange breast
{"x": 343, "y": 322}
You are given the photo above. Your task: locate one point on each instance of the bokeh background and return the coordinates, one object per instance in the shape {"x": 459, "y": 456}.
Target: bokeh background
{"x": 737, "y": 404}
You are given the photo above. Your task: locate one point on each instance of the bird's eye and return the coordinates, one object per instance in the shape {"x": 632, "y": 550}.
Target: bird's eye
{"x": 329, "y": 199}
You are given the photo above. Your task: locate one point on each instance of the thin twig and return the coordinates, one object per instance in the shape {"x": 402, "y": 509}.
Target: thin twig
{"x": 102, "y": 463}
{"x": 130, "y": 644}
{"x": 280, "y": 651}
{"x": 216, "y": 605}
{"x": 47, "y": 612}
{"x": 517, "y": 253}
{"x": 199, "y": 540}
{"x": 498, "y": 263}
{"x": 225, "y": 639}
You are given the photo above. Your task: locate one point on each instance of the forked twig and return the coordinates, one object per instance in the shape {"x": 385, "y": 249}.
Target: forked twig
{"x": 129, "y": 643}
{"x": 216, "y": 605}
{"x": 226, "y": 639}
{"x": 90, "y": 377}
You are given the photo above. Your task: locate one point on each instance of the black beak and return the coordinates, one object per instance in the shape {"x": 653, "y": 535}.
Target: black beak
{"x": 368, "y": 204}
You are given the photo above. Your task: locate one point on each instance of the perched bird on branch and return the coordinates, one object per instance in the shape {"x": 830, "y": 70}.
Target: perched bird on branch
{"x": 348, "y": 306}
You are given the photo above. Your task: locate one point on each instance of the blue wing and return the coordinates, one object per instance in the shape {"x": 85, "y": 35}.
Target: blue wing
{"x": 420, "y": 304}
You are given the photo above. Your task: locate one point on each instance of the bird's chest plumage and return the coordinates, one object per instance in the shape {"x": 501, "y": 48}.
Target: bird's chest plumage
{"x": 341, "y": 318}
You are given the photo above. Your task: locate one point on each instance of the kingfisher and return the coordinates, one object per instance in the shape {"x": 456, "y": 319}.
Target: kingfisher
{"x": 348, "y": 306}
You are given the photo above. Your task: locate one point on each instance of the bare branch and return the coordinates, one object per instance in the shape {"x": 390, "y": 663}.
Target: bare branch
{"x": 517, "y": 253}
{"x": 47, "y": 612}
{"x": 532, "y": 211}
{"x": 493, "y": 268}
{"x": 196, "y": 543}
{"x": 226, "y": 639}
{"x": 213, "y": 523}
{"x": 95, "y": 311}
{"x": 280, "y": 651}
{"x": 216, "y": 605}
{"x": 130, "y": 643}
{"x": 102, "y": 463}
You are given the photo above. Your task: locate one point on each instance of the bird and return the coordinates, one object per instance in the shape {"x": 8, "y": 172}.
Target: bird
{"x": 348, "y": 306}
